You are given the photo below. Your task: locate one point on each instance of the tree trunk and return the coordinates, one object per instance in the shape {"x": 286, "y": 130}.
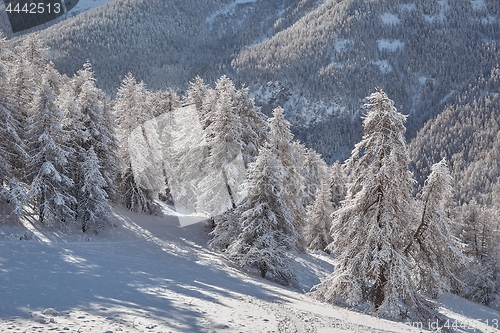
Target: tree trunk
{"x": 378, "y": 294}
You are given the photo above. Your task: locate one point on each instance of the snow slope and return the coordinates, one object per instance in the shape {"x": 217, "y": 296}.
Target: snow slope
{"x": 149, "y": 274}
{"x": 84, "y": 5}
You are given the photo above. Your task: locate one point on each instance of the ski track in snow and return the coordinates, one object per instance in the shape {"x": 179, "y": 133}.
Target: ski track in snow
{"x": 152, "y": 275}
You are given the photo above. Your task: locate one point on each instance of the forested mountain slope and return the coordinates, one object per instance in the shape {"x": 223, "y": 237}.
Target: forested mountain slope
{"x": 468, "y": 135}
{"x": 316, "y": 58}
{"x": 164, "y": 43}
{"x": 422, "y": 53}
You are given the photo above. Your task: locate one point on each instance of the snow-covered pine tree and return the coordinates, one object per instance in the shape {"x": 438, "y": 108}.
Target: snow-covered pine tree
{"x": 25, "y": 68}
{"x": 254, "y": 124}
{"x": 196, "y": 93}
{"x": 319, "y": 219}
{"x": 131, "y": 112}
{"x": 480, "y": 232}
{"x": 267, "y": 232}
{"x": 49, "y": 152}
{"x": 280, "y": 142}
{"x": 223, "y": 135}
{"x": 226, "y": 228}
{"x": 99, "y": 122}
{"x": 163, "y": 104}
{"x": 314, "y": 170}
{"x": 11, "y": 147}
{"x": 433, "y": 248}
{"x": 163, "y": 101}
{"x": 94, "y": 210}
{"x": 337, "y": 185}
{"x": 371, "y": 228}
{"x": 89, "y": 122}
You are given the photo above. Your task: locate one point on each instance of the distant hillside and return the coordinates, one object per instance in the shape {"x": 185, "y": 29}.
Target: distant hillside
{"x": 164, "y": 43}
{"x": 318, "y": 59}
{"x": 468, "y": 135}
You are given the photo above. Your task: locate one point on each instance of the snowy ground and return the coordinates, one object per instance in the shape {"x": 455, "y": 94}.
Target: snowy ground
{"x": 150, "y": 274}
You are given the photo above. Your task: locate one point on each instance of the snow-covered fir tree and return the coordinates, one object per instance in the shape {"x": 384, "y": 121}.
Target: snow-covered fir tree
{"x": 197, "y": 93}
{"x": 433, "y": 248}
{"x": 131, "y": 112}
{"x": 163, "y": 101}
{"x": 12, "y": 148}
{"x": 90, "y": 125}
{"x": 223, "y": 135}
{"x": 48, "y": 148}
{"x": 372, "y": 227}
{"x": 26, "y": 64}
{"x": 337, "y": 185}
{"x": 480, "y": 232}
{"x": 319, "y": 219}
{"x": 267, "y": 229}
{"x": 253, "y": 122}
{"x": 94, "y": 210}
{"x": 280, "y": 142}
{"x": 227, "y": 228}
{"x": 314, "y": 170}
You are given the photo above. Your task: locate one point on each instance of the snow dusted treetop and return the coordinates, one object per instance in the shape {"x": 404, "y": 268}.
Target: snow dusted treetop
{"x": 280, "y": 128}
{"x": 433, "y": 246}
{"x": 128, "y": 114}
{"x": 288, "y": 153}
{"x": 196, "y": 93}
{"x": 224, "y": 132}
{"x": 372, "y": 226}
{"x": 254, "y": 124}
{"x": 314, "y": 170}
{"x": 319, "y": 216}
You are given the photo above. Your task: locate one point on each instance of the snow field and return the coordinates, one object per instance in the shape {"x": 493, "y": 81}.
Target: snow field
{"x": 149, "y": 274}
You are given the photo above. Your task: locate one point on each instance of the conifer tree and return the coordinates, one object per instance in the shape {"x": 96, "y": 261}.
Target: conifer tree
{"x": 96, "y": 126}
{"x": 90, "y": 125}
{"x": 50, "y": 180}
{"x": 225, "y": 129}
{"x": 337, "y": 185}
{"x": 11, "y": 147}
{"x": 226, "y": 228}
{"x": 131, "y": 112}
{"x": 253, "y": 122}
{"x": 319, "y": 216}
{"x": 280, "y": 142}
{"x": 371, "y": 228}
{"x": 197, "y": 93}
{"x": 480, "y": 232}
{"x": 314, "y": 171}
{"x": 267, "y": 232}
{"x": 94, "y": 210}
{"x": 433, "y": 247}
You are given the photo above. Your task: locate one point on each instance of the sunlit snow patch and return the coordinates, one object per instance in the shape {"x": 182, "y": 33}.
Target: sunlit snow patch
{"x": 390, "y": 45}
{"x": 389, "y": 19}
